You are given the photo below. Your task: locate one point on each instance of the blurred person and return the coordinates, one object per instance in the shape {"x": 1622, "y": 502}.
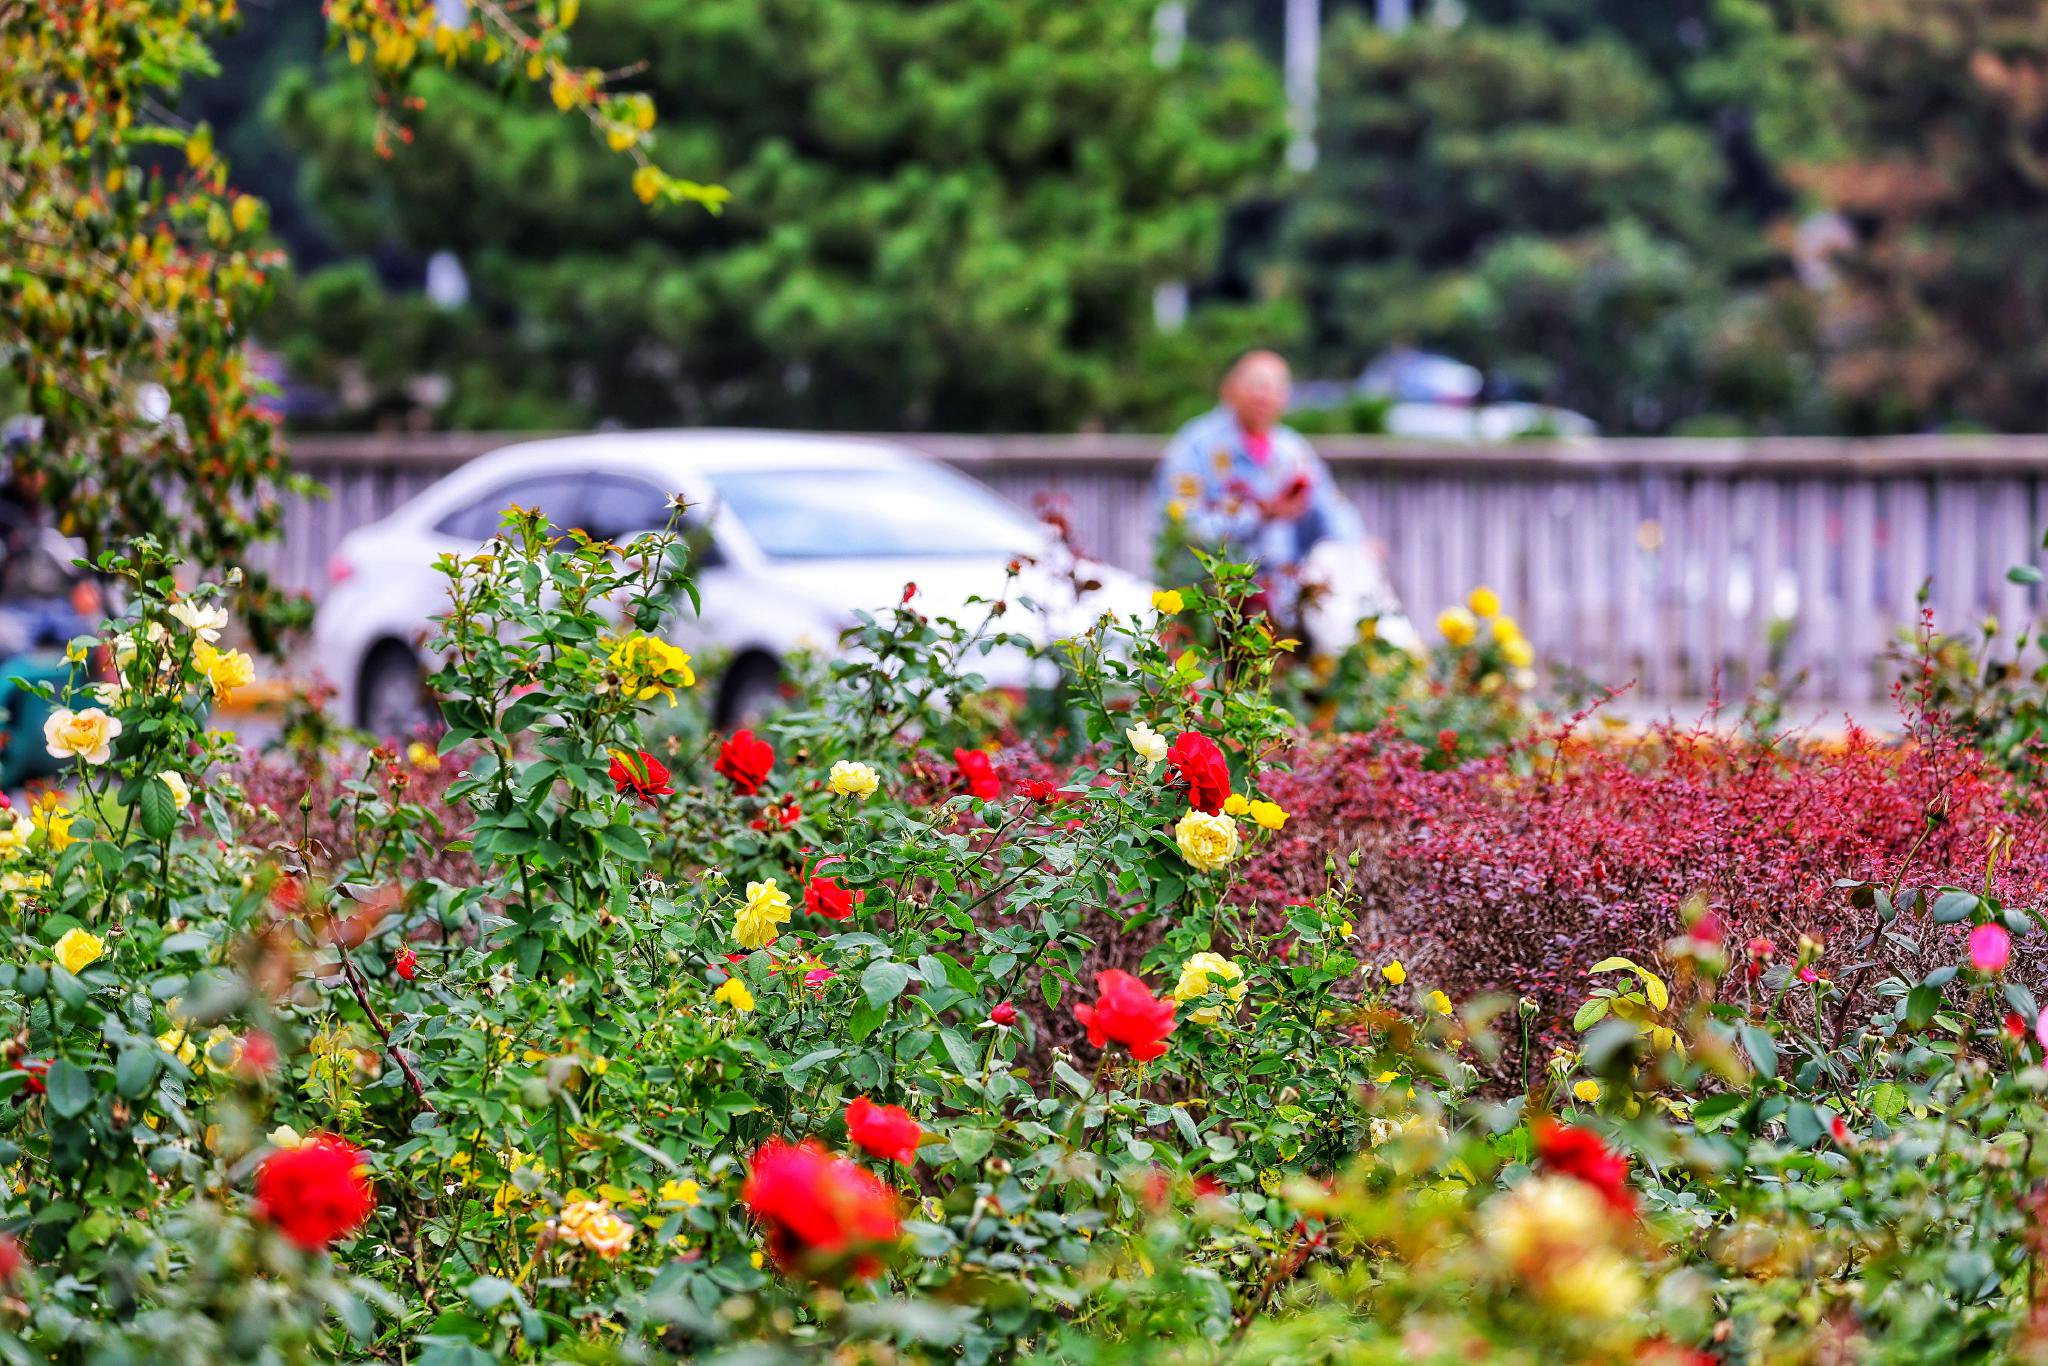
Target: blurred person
{"x": 1237, "y": 480}
{"x": 45, "y": 599}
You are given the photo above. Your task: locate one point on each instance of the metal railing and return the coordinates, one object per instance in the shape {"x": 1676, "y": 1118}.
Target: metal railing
{"x": 1670, "y": 562}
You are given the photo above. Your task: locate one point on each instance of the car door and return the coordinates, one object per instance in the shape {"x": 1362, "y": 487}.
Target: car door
{"x": 618, "y": 507}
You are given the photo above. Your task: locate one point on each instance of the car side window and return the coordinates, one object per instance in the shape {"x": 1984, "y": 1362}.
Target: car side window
{"x": 555, "y": 495}
{"x": 617, "y": 509}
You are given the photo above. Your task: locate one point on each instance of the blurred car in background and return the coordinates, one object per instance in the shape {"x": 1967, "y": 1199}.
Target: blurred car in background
{"x": 1421, "y": 394}
{"x": 799, "y": 532}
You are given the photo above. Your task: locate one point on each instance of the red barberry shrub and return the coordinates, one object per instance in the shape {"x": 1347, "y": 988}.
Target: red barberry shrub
{"x": 1517, "y": 871}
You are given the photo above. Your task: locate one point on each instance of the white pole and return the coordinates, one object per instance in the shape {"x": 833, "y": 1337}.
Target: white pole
{"x": 1304, "y": 41}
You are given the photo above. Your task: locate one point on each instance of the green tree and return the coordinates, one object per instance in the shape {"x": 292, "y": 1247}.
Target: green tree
{"x": 1919, "y": 125}
{"x": 1534, "y": 207}
{"x": 131, "y": 269}
{"x": 947, "y": 213}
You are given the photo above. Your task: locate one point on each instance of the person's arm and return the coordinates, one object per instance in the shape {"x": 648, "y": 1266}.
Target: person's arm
{"x": 1182, "y": 470}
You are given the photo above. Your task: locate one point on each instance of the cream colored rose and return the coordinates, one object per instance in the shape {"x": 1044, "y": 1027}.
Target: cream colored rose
{"x": 81, "y": 734}
{"x": 181, "y": 793}
{"x": 1148, "y": 744}
{"x": 205, "y": 622}
{"x": 1208, "y": 842}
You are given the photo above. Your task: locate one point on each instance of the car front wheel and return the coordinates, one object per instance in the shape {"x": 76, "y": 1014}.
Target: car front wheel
{"x": 393, "y": 701}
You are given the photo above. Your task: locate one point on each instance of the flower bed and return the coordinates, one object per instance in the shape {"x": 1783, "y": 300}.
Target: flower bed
{"x": 902, "y": 1029}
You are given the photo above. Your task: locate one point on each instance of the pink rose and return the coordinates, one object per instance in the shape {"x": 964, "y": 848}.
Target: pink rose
{"x": 1990, "y": 948}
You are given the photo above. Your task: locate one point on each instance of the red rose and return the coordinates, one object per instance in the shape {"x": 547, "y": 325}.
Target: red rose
{"x": 746, "y": 761}
{"x": 1572, "y": 1151}
{"x": 1038, "y": 790}
{"x": 1208, "y": 1187}
{"x": 259, "y": 1053}
{"x": 979, "y": 774}
{"x": 12, "y": 1259}
{"x": 1004, "y": 1014}
{"x": 884, "y": 1131}
{"x": 406, "y": 964}
{"x": 37, "y": 1069}
{"x": 825, "y": 896}
{"x": 1124, "y": 1012}
{"x": 909, "y": 592}
{"x": 315, "y": 1192}
{"x": 817, "y": 1208}
{"x": 1197, "y": 761}
{"x": 640, "y": 775}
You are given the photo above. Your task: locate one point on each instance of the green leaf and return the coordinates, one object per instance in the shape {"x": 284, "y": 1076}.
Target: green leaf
{"x": 1952, "y": 907}
{"x": 1762, "y": 1049}
{"x": 1711, "y": 1110}
{"x": 159, "y": 809}
{"x": 971, "y": 1144}
{"x": 1921, "y": 1003}
{"x": 2023, "y": 573}
{"x": 70, "y": 1089}
{"x": 135, "y": 1071}
{"x": 1591, "y": 1013}
{"x": 884, "y": 981}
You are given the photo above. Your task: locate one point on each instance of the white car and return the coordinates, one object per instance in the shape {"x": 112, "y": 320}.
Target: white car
{"x": 803, "y": 531}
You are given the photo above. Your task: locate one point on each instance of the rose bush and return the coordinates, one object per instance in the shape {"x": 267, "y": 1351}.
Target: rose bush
{"x": 909, "y": 1027}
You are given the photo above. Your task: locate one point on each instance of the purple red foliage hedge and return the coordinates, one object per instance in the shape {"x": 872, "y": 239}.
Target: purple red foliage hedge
{"x": 1519, "y": 871}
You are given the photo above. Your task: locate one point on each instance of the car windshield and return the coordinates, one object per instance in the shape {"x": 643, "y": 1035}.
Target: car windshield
{"x": 876, "y": 512}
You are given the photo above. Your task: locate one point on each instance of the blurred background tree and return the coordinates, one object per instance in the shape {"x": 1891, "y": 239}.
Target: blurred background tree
{"x": 1921, "y": 126}
{"x": 946, "y": 214}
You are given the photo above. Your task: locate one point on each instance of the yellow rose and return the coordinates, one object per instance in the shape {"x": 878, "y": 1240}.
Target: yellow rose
{"x": 79, "y": 950}
{"x": 1167, "y": 602}
{"x": 422, "y": 757}
{"x": 851, "y": 778}
{"x": 733, "y": 992}
{"x": 1457, "y": 626}
{"x": 680, "y": 1192}
{"x": 283, "y": 1136}
{"x": 606, "y": 1234}
{"x": 225, "y": 670}
{"x": 1541, "y": 1220}
{"x": 49, "y": 816}
{"x": 83, "y": 735}
{"x": 1440, "y": 1003}
{"x": 1505, "y": 629}
{"x": 177, "y": 1041}
{"x": 1599, "y": 1283}
{"x": 1519, "y": 653}
{"x": 767, "y": 907}
{"x": 1394, "y": 972}
{"x": 649, "y": 667}
{"x": 1208, "y": 842}
{"x": 223, "y": 1052}
{"x": 1236, "y": 804}
{"x": 15, "y": 828}
{"x": 1206, "y": 972}
{"x": 1483, "y": 601}
{"x": 181, "y": 793}
{"x": 1268, "y": 815}
{"x": 1148, "y": 744}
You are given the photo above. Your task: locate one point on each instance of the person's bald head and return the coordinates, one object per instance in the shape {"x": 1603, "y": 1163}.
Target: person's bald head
{"x": 1257, "y": 389}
